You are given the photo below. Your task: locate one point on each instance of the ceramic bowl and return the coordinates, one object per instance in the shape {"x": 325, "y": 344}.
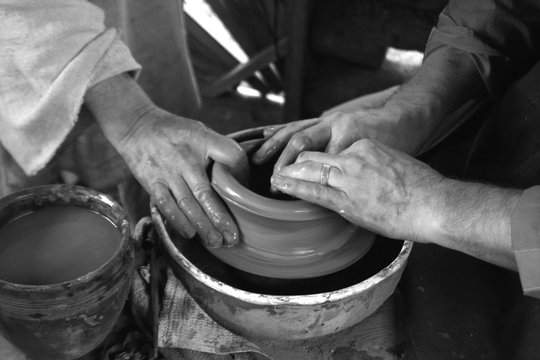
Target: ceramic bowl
{"x": 68, "y": 319}
{"x": 283, "y": 238}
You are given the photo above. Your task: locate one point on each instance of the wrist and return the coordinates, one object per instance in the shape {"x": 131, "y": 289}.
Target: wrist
{"x": 474, "y": 219}
{"x": 407, "y": 125}
{"x": 118, "y": 105}
{"x": 413, "y": 123}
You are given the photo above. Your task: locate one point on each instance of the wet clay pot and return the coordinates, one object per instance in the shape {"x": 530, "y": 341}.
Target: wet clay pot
{"x": 283, "y": 238}
{"x": 50, "y": 312}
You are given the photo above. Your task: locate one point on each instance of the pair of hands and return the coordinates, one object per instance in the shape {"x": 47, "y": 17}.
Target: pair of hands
{"x": 370, "y": 184}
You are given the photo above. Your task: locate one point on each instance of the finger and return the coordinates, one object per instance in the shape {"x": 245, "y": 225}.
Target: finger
{"x": 320, "y": 157}
{"x": 196, "y": 215}
{"x": 169, "y": 208}
{"x": 313, "y": 138}
{"x": 228, "y": 152}
{"x": 312, "y": 171}
{"x": 215, "y": 211}
{"x": 315, "y": 193}
{"x": 278, "y": 141}
{"x": 270, "y": 131}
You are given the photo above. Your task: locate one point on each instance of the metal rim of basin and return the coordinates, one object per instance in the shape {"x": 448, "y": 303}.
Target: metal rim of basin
{"x": 262, "y": 299}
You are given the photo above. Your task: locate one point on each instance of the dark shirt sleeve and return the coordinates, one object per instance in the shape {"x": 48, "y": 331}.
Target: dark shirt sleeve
{"x": 501, "y": 36}
{"x": 526, "y": 240}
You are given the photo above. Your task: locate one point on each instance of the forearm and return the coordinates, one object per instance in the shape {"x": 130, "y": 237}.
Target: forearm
{"x": 447, "y": 79}
{"x": 471, "y": 218}
{"x": 117, "y": 103}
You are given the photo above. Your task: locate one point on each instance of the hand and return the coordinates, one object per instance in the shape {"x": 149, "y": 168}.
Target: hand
{"x": 169, "y": 156}
{"x": 370, "y": 185}
{"x": 331, "y": 133}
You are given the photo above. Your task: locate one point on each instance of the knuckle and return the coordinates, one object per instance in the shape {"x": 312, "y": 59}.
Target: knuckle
{"x": 202, "y": 191}
{"x": 302, "y": 156}
{"x": 160, "y": 199}
{"x": 199, "y": 124}
{"x": 351, "y": 163}
{"x": 365, "y": 144}
{"x": 185, "y": 202}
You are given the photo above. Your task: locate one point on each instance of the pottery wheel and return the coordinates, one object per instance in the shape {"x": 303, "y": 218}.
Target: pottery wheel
{"x": 299, "y": 261}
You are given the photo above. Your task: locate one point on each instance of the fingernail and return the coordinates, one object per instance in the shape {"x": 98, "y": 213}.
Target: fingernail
{"x": 188, "y": 233}
{"x": 269, "y": 131}
{"x": 215, "y": 240}
{"x": 277, "y": 182}
{"x": 257, "y": 157}
{"x": 231, "y": 238}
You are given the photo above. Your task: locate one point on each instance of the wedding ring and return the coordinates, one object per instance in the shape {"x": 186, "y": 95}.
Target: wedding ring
{"x": 325, "y": 174}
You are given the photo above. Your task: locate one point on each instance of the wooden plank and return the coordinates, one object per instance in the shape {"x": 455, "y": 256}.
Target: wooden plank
{"x": 211, "y": 59}
{"x": 213, "y": 47}
{"x": 246, "y": 21}
{"x": 298, "y": 14}
{"x": 240, "y": 72}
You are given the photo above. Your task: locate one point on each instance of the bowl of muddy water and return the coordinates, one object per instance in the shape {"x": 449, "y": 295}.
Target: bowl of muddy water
{"x": 270, "y": 305}
{"x": 66, "y": 261}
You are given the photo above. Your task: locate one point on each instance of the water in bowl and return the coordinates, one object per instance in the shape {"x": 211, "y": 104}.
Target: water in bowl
{"x": 55, "y": 244}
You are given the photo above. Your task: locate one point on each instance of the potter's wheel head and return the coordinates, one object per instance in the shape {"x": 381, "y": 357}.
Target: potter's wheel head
{"x": 297, "y": 257}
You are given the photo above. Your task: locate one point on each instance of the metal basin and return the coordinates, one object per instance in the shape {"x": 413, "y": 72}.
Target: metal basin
{"x": 335, "y": 302}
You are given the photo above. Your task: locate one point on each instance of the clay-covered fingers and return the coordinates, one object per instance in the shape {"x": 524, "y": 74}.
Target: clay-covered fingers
{"x": 214, "y": 223}
{"x": 313, "y": 138}
{"x": 190, "y": 207}
{"x": 270, "y": 131}
{"x": 278, "y": 137}
{"x": 312, "y": 192}
{"x": 167, "y": 205}
{"x": 315, "y": 177}
{"x": 315, "y": 167}
{"x": 229, "y": 153}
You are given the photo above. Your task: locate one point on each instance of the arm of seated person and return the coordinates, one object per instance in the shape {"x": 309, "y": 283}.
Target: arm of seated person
{"x": 447, "y": 79}
{"x": 169, "y": 155}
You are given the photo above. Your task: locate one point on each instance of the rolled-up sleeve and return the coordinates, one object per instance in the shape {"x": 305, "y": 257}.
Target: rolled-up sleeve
{"x": 502, "y": 37}
{"x": 525, "y": 225}
{"x": 52, "y": 52}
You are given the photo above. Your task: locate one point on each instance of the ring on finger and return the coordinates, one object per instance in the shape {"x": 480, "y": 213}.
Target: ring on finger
{"x": 325, "y": 174}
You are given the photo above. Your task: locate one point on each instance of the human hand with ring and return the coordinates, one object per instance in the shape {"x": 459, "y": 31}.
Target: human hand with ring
{"x": 369, "y": 184}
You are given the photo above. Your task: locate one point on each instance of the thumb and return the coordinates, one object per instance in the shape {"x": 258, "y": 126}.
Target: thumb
{"x": 229, "y": 153}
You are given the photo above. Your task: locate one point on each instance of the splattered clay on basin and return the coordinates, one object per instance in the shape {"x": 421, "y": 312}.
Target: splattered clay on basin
{"x": 284, "y": 239}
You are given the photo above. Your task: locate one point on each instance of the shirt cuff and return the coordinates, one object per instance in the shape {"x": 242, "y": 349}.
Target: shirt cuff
{"x": 525, "y": 225}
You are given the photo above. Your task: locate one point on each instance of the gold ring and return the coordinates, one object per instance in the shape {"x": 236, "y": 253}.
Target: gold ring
{"x": 325, "y": 174}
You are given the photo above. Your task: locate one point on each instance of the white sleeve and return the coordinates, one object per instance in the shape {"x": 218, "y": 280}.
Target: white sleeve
{"x": 51, "y": 52}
